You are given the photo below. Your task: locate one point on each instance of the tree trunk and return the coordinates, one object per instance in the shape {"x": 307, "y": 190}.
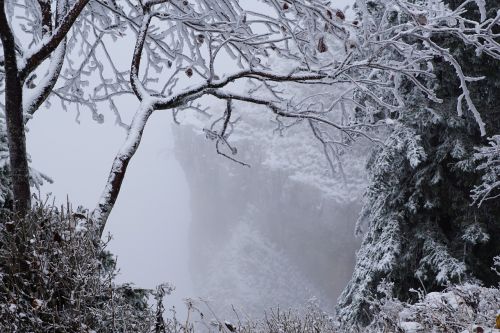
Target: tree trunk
{"x": 15, "y": 120}
{"x": 120, "y": 164}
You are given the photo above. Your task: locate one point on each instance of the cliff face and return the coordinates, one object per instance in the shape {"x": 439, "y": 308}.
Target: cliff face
{"x": 259, "y": 237}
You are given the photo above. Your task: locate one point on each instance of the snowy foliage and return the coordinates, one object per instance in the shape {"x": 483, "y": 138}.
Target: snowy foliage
{"x": 311, "y": 318}
{"x": 309, "y": 158}
{"x": 488, "y": 158}
{"x": 57, "y": 276}
{"x": 463, "y": 308}
{"x": 437, "y": 260}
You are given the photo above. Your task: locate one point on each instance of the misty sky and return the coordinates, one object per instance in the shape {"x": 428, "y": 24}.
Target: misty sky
{"x": 150, "y": 220}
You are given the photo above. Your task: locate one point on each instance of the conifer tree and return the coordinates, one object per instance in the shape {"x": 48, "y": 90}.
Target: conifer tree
{"x": 422, "y": 230}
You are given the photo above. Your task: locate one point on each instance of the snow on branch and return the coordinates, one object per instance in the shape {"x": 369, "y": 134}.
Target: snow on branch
{"x": 188, "y": 50}
{"x": 248, "y": 52}
{"x": 488, "y": 158}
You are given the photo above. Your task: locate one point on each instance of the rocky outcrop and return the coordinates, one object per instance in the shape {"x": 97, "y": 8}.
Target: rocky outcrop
{"x": 258, "y": 237}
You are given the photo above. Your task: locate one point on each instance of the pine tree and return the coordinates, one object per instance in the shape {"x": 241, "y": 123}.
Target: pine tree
{"x": 422, "y": 230}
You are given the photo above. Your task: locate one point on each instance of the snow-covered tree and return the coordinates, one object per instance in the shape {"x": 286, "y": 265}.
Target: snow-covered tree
{"x": 374, "y": 62}
{"x": 36, "y": 178}
{"x": 235, "y": 64}
{"x": 421, "y": 230}
{"x": 188, "y": 51}
{"x": 46, "y": 28}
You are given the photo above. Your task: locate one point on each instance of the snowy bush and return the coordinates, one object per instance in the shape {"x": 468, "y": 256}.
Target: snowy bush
{"x": 56, "y": 276}
{"x": 464, "y": 308}
{"x": 311, "y": 319}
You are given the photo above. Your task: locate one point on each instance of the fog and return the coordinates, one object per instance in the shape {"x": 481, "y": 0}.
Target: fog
{"x": 149, "y": 223}
{"x": 182, "y": 210}
{"x": 250, "y": 237}
{"x": 259, "y": 238}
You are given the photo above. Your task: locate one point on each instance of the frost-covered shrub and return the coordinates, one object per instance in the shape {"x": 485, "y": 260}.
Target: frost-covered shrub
{"x": 461, "y": 308}
{"x": 313, "y": 320}
{"x": 56, "y": 276}
{"x": 464, "y": 308}
{"x": 310, "y": 319}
